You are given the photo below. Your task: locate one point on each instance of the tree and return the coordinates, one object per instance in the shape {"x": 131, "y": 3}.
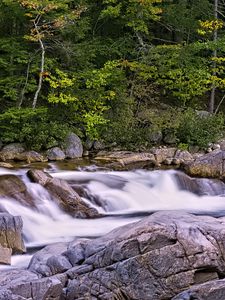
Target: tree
{"x": 47, "y": 18}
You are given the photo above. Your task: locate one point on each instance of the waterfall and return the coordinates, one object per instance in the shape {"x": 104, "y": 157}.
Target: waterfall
{"x": 122, "y": 197}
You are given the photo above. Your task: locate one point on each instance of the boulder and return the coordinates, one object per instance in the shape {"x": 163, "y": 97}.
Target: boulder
{"x": 183, "y": 155}
{"x": 161, "y": 154}
{"x": 55, "y": 154}
{"x": 5, "y": 255}
{"x": 209, "y": 165}
{"x": 11, "y": 234}
{"x": 166, "y": 255}
{"x": 67, "y": 199}
{"x": 6, "y": 165}
{"x": 30, "y": 157}
{"x": 98, "y": 145}
{"x": 23, "y": 284}
{"x": 10, "y": 151}
{"x": 155, "y": 137}
{"x": 12, "y": 186}
{"x": 213, "y": 290}
{"x": 155, "y": 258}
{"x": 73, "y": 146}
{"x": 126, "y": 158}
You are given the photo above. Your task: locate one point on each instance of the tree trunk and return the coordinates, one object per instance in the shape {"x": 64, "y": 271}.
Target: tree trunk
{"x": 41, "y": 68}
{"x": 215, "y": 36}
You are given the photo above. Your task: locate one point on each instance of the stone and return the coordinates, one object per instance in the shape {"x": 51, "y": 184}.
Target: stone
{"x": 73, "y": 146}
{"x": 12, "y": 186}
{"x": 9, "y": 151}
{"x": 161, "y": 154}
{"x": 208, "y": 165}
{"x": 213, "y": 290}
{"x": 30, "y": 157}
{"x": 11, "y": 233}
{"x": 23, "y": 284}
{"x": 98, "y": 145}
{"x": 5, "y": 255}
{"x": 127, "y": 158}
{"x": 55, "y": 154}
{"x": 183, "y": 155}
{"x": 64, "y": 195}
{"x": 6, "y": 165}
{"x": 155, "y": 137}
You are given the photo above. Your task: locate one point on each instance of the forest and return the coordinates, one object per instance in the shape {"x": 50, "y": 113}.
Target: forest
{"x": 130, "y": 72}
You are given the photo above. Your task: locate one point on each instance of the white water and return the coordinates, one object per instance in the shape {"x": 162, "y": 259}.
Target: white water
{"x": 122, "y": 196}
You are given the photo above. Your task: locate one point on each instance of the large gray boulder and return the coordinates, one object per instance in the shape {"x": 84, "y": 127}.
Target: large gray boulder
{"x": 73, "y": 146}
{"x": 55, "y": 154}
{"x": 67, "y": 199}
{"x": 154, "y": 259}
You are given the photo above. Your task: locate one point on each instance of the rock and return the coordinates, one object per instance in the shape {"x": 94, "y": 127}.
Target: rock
{"x": 73, "y": 146}
{"x": 5, "y": 255}
{"x": 98, "y": 145}
{"x": 23, "y": 284}
{"x": 170, "y": 138}
{"x": 155, "y": 137}
{"x": 161, "y": 154}
{"x": 1, "y": 144}
{"x": 30, "y": 157}
{"x": 6, "y": 165}
{"x": 67, "y": 199}
{"x": 153, "y": 259}
{"x": 10, "y": 151}
{"x": 222, "y": 144}
{"x": 213, "y": 290}
{"x": 208, "y": 165}
{"x": 55, "y": 154}
{"x": 183, "y": 155}
{"x": 49, "y": 261}
{"x": 126, "y": 158}
{"x": 11, "y": 186}
{"x": 11, "y": 233}
{"x": 88, "y": 145}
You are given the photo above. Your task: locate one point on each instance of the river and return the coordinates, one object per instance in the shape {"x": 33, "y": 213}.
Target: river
{"x": 121, "y": 196}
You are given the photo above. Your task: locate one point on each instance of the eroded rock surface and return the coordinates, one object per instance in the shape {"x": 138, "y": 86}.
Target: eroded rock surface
{"x": 63, "y": 194}
{"x": 166, "y": 255}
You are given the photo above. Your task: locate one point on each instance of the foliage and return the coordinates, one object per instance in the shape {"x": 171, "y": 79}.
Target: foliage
{"x": 36, "y": 128}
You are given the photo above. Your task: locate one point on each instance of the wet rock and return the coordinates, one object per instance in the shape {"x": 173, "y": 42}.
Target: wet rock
{"x": 30, "y": 157}
{"x": 11, "y": 233}
{"x": 208, "y": 165}
{"x": 55, "y": 154}
{"x": 11, "y": 186}
{"x": 6, "y": 165}
{"x": 67, "y": 199}
{"x": 73, "y": 146}
{"x": 10, "y": 151}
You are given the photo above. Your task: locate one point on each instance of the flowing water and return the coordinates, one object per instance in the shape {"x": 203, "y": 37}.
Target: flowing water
{"x": 122, "y": 197}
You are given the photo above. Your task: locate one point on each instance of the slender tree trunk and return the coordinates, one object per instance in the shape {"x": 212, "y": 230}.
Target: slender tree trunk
{"x": 41, "y": 68}
{"x": 25, "y": 85}
{"x": 215, "y": 36}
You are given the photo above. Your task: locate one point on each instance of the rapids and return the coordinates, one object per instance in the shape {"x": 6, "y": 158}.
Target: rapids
{"x": 121, "y": 196}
